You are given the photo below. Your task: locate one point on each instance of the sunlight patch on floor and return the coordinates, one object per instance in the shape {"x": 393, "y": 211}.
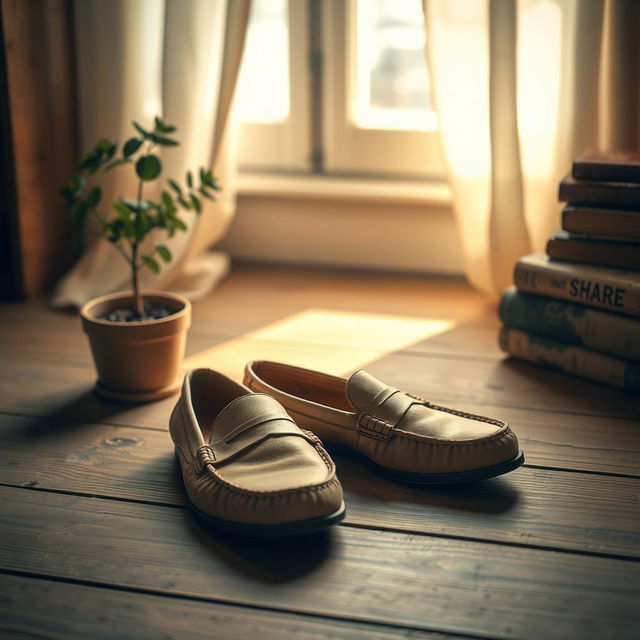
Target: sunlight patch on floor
{"x": 336, "y": 342}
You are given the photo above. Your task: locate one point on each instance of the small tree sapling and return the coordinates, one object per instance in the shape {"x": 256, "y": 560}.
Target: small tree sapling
{"x": 133, "y": 219}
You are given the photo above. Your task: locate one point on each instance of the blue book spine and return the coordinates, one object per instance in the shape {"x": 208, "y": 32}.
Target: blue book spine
{"x": 575, "y": 324}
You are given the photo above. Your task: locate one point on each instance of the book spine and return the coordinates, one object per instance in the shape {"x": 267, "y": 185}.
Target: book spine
{"x": 608, "y": 255}
{"x": 571, "y": 359}
{"x": 605, "y": 172}
{"x": 574, "y": 324}
{"x": 600, "y": 192}
{"x": 603, "y": 222}
{"x": 603, "y": 292}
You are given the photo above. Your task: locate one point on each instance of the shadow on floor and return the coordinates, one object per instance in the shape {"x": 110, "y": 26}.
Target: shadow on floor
{"x": 491, "y": 497}
{"x": 269, "y": 561}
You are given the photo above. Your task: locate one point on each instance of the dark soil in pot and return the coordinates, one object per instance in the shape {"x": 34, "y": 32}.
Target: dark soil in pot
{"x": 126, "y": 314}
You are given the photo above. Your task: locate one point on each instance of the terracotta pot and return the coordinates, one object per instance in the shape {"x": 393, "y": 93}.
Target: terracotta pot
{"x": 137, "y": 361}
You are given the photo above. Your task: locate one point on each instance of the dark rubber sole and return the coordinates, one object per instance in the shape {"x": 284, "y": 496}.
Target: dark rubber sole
{"x": 409, "y": 477}
{"x": 284, "y": 530}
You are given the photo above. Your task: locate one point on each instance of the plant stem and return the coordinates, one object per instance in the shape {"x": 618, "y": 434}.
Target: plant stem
{"x": 135, "y": 281}
{"x": 101, "y": 222}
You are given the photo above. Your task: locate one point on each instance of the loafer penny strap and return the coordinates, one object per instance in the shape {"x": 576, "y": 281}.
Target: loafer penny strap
{"x": 380, "y": 408}
{"x": 279, "y": 427}
{"x": 244, "y": 423}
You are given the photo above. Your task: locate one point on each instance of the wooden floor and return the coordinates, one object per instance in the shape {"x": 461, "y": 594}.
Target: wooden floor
{"x": 96, "y": 542}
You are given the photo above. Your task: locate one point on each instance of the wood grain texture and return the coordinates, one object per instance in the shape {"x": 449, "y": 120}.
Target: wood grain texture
{"x": 550, "y": 438}
{"x": 34, "y": 608}
{"x": 539, "y": 553}
{"x": 528, "y": 507}
{"x": 38, "y": 43}
{"x": 387, "y": 578}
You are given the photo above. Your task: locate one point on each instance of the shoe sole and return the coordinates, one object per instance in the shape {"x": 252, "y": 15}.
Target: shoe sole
{"x": 285, "y": 529}
{"x": 409, "y": 477}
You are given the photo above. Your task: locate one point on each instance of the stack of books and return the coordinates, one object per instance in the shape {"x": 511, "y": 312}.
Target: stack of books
{"x": 577, "y": 308}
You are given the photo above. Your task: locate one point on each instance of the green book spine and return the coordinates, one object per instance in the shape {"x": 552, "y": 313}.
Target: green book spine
{"x": 567, "y": 358}
{"x": 575, "y": 324}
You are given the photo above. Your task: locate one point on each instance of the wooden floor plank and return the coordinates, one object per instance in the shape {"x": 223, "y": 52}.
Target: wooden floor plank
{"x": 387, "y": 578}
{"x": 586, "y": 513}
{"x": 37, "y": 608}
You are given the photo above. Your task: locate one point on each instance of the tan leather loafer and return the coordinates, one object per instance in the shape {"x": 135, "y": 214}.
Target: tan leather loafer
{"x": 401, "y": 436}
{"x": 247, "y": 467}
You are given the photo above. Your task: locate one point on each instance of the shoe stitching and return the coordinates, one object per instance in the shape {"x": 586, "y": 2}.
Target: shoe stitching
{"x": 462, "y": 414}
{"x": 208, "y": 466}
{"x": 234, "y": 488}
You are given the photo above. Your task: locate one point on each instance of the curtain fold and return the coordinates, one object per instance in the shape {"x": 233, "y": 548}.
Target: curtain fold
{"x": 178, "y": 59}
{"x": 521, "y": 87}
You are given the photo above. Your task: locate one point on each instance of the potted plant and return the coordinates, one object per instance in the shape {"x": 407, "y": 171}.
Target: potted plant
{"x": 137, "y": 338}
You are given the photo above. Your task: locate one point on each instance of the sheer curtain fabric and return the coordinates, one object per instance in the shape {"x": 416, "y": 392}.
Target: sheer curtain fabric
{"x": 178, "y": 59}
{"x": 521, "y": 87}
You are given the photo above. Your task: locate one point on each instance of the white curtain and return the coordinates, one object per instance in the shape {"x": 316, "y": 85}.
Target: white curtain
{"x": 177, "y": 59}
{"x": 521, "y": 87}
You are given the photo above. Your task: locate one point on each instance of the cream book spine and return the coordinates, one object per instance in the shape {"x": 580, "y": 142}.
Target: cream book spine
{"x": 617, "y": 290}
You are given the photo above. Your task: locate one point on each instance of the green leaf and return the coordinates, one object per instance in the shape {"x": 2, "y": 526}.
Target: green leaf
{"x": 142, "y": 131}
{"x": 196, "y": 203}
{"x": 210, "y": 181}
{"x": 131, "y": 146}
{"x": 121, "y": 208}
{"x": 151, "y": 263}
{"x": 189, "y": 179}
{"x": 114, "y": 230}
{"x": 165, "y": 142}
{"x": 94, "y": 197}
{"x": 73, "y": 190}
{"x": 148, "y": 167}
{"x": 203, "y": 175}
{"x": 162, "y": 127}
{"x": 111, "y": 150}
{"x": 206, "y": 194}
{"x": 91, "y": 161}
{"x": 175, "y": 186}
{"x": 186, "y": 205}
{"x": 167, "y": 199}
{"x": 179, "y": 224}
{"x": 163, "y": 252}
{"x": 103, "y": 145}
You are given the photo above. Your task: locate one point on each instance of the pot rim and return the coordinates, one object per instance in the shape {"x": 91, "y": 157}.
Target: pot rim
{"x": 87, "y": 315}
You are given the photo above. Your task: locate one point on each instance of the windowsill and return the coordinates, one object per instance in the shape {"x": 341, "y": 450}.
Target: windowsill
{"x": 325, "y": 187}
{"x": 345, "y": 222}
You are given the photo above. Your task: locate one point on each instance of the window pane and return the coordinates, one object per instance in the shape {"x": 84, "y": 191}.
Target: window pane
{"x": 263, "y": 85}
{"x": 392, "y": 84}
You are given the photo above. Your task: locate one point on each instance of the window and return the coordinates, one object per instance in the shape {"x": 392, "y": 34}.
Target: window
{"x": 337, "y": 87}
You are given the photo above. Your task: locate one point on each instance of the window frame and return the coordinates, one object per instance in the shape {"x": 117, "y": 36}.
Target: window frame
{"x": 353, "y": 150}
{"x": 285, "y": 145}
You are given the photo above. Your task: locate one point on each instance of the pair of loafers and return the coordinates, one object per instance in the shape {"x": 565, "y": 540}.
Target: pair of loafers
{"x": 253, "y": 460}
